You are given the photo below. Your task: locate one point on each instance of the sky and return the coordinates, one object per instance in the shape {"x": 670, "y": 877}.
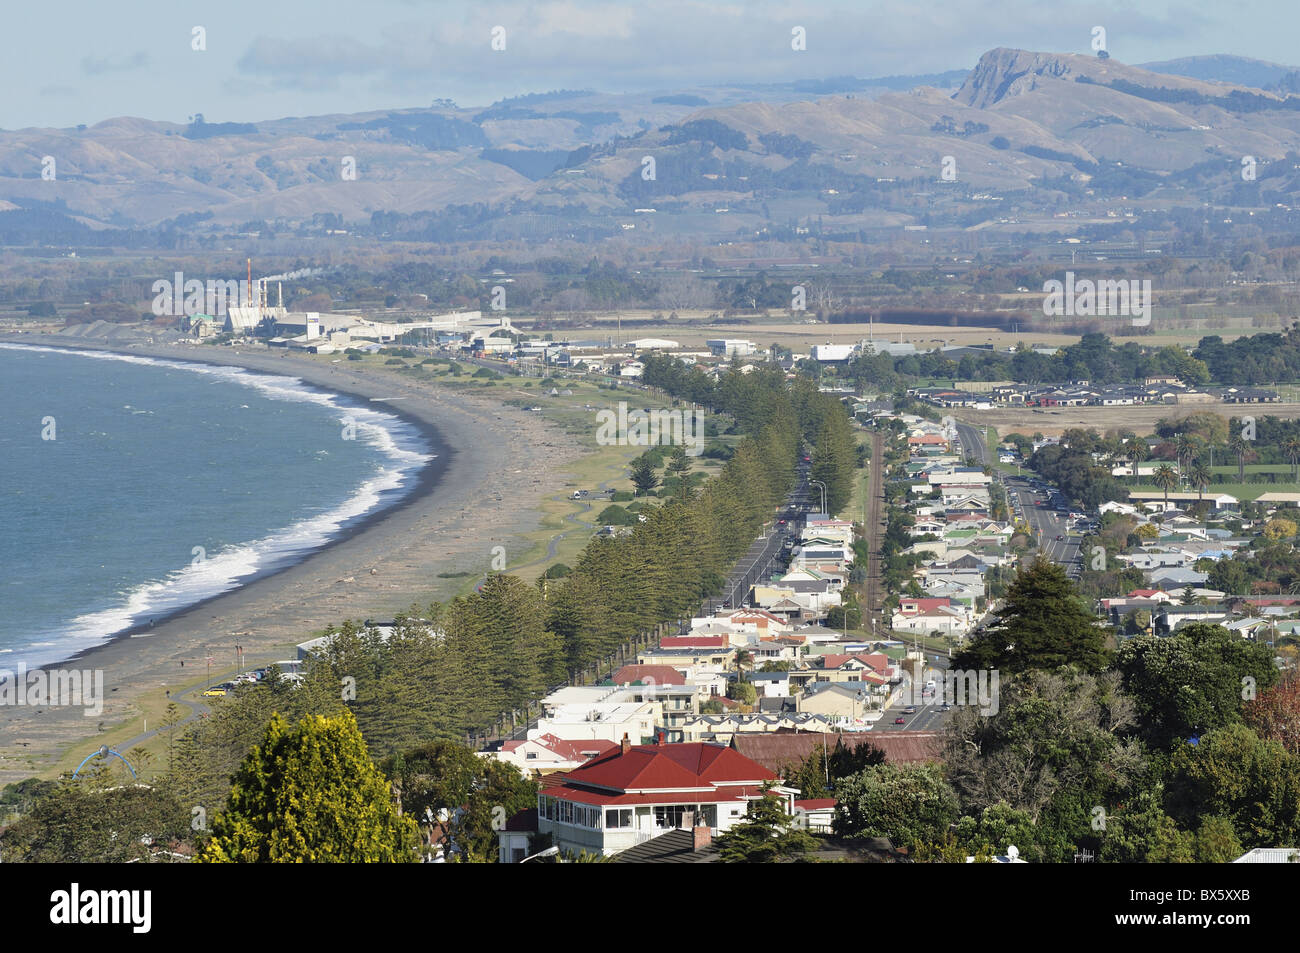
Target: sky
{"x": 84, "y": 61}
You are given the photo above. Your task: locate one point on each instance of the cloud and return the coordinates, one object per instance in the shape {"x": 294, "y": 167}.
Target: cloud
{"x": 675, "y": 43}
{"x": 98, "y": 66}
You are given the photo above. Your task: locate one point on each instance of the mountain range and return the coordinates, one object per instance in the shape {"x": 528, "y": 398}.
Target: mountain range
{"x": 1045, "y": 130}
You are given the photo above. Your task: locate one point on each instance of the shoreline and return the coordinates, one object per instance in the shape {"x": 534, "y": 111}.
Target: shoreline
{"x": 426, "y": 482}
{"x": 462, "y": 504}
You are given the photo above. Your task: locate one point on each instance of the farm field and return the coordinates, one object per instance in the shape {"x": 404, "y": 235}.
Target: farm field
{"x": 1053, "y": 421}
{"x": 783, "y": 329}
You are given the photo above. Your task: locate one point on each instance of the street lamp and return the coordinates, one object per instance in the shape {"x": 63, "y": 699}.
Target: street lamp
{"x": 549, "y": 852}
{"x": 823, "y": 486}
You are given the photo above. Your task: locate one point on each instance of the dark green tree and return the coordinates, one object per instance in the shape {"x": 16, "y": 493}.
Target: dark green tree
{"x": 1042, "y": 625}
{"x": 908, "y": 803}
{"x": 767, "y": 835}
{"x": 643, "y": 475}
{"x": 1192, "y": 681}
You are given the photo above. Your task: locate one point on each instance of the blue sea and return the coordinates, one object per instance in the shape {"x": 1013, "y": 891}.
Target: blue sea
{"x": 166, "y": 483}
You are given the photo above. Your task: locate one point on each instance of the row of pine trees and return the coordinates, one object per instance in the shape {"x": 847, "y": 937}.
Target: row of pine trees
{"x": 451, "y": 670}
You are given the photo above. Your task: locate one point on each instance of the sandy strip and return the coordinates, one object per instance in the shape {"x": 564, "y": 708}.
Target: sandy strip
{"x": 495, "y": 465}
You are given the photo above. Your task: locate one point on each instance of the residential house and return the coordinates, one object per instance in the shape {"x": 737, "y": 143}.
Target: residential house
{"x": 637, "y": 792}
{"x": 546, "y": 753}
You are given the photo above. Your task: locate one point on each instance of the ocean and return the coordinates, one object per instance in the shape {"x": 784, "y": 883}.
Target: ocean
{"x": 133, "y": 487}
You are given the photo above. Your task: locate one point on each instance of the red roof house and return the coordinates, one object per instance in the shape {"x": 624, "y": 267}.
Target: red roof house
{"x": 633, "y": 792}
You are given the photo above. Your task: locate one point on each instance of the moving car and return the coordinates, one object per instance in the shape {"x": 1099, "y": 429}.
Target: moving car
{"x": 1059, "y": 537}
{"x": 900, "y": 721}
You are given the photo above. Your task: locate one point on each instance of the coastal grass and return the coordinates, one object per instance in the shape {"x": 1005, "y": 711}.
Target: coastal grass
{"x": 604, "y": 467}
{"x": 150, "y": 711}
{"x": 564, "y": 525}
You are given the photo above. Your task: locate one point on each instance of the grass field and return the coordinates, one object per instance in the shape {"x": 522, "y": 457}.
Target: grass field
{"x": 857, "y": 508}
{"x": 1242, "y": 491}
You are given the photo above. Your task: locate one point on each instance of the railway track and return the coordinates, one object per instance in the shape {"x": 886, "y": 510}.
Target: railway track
{"x": 875, "y": 521}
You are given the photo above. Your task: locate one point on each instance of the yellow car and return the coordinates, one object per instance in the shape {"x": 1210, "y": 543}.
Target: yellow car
{"x": 214, "y": 692}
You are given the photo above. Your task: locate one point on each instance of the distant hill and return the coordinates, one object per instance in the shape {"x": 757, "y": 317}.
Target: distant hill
{"x": 1054, "y": 135}
{"x": 1222, "y": 68}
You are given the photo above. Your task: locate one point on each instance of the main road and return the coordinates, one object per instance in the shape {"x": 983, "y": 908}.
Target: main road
{"x": 1027, "y": 504}
{"x": 764, "y": 552}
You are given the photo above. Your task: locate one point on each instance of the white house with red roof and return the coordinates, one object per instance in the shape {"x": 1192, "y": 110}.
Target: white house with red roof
{"x": 757, "y": 622}
{"x": 815, "y": 814}
{"x": 637, "y": 792}
{"x": 1155, "y": 595}
{"x": 547, "y": 753}
{"x": 931, "y": 615}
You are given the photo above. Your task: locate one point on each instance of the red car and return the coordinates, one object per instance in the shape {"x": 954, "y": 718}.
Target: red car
{"x": 900, "y": 721}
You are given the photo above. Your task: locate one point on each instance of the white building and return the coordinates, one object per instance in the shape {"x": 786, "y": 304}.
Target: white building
{"x": 731, "y": 347}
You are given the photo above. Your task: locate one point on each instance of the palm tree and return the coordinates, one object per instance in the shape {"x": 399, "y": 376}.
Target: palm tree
{"x": 1199, "y": 475}
{"x": 1137, "y": 451}
{"x": 1238, "y": 445}
{"x": 1166, "y": 479}
{"x": 1186, "y": 448}
{"x": 1291, "y": 447}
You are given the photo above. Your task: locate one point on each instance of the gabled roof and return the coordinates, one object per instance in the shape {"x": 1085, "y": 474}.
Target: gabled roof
{"x": 776, "y": 749}
{"x": 925, "y": 606}
{"x": 815, "y": 804}
{"x": 648, "y": 675}
{"x": 756, "y": 615}
{"x": 667, "y": 767}
{"x": 579, "y": 750}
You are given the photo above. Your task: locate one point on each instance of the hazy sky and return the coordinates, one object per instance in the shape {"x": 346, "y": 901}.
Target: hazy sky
{"x": 82, "y": 61}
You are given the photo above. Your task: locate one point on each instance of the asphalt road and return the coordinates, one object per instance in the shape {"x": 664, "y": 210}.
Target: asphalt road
{"x": 972, "y": 443}
{"x": 1045, "y": 521}
{"x": 929, "y": 715}
{"x": 765, "y": 551}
